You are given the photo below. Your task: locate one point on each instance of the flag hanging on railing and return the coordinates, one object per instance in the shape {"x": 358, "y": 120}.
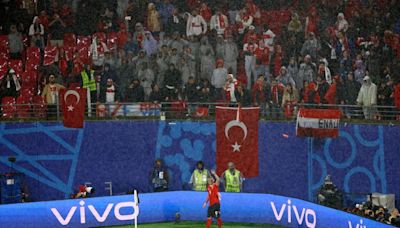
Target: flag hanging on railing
{"x": 73, "y": 102}
{"x": 237, "y": 139}
{"x": 319, "y": 123}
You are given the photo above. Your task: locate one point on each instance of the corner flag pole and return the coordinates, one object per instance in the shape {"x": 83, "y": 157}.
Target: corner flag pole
{"x": 136, "y": 201}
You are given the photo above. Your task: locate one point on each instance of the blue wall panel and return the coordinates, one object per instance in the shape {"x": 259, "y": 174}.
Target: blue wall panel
{"x": 160, "y": 207}
{"x": 56, "y": 160}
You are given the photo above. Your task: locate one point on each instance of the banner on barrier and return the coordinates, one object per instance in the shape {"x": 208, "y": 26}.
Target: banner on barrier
{"x": 128, "y": 110}
{"x": 162, "y": 207}
{"x": 318, "y": 123}
{"x": 90, "y": 212}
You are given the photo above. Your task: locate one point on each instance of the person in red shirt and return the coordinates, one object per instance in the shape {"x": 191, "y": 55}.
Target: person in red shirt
{"x": 213, "y": 198}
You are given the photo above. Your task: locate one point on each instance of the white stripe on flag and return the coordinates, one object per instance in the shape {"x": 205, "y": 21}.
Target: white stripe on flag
{"x": 317, "y": 123}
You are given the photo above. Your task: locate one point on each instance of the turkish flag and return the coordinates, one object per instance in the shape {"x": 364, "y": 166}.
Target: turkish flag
{"x": 237, "y": 139}
{"x": 73, "y": 103}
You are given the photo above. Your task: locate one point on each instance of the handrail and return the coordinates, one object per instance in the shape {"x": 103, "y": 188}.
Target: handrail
{"x": 184, "y": 109}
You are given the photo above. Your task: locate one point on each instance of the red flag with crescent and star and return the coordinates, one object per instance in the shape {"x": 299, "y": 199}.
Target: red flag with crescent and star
{"x": 237, "y": 139}
{"x": 73, "y": 102}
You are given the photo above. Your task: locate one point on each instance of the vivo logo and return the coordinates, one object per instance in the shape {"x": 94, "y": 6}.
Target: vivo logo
{"x": 358, "y": 225}
{"x": 99, "y": 217}
{"x": 303, "y": 215}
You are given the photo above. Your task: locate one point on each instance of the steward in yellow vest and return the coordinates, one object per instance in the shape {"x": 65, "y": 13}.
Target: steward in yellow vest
{"x": 88, "y": 80}
{"x": 199, "y": 177}
{"x": 233, "y": 179}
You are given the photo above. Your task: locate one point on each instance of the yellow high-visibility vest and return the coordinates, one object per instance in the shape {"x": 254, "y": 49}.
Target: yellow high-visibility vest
{"x": 200, "y": 180}
{"x": 88, "y": 83}
{"x": 232, "y": 181}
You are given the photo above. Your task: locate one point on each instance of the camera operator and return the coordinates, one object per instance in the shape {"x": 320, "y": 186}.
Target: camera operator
{"x": 328, "y": 195}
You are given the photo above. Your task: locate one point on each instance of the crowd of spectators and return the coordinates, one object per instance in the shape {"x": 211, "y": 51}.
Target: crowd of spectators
{"x": 266, "y": 53}
{"x": 378, "y": 213}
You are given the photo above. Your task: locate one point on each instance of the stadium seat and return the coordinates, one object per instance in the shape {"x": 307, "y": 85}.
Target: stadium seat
{"x": 29, "y": 78}
{"x": 16, "y": 65}
{"x": 112, "y": 41}
{"x": 83, "y": 55}
{"x": 39, "y": 107}
{"x": 69, "y": 51}
{"x": 50, "y": 55}
{"x": 8, "y": 107}
{"x": 3, "y": 67}
{"x": 25, "y": 41}
{"x": 23, "y": 107}
{"x": 69, "y": 39}
{"x": 101, "y": 36}
{"x": 4, "y": 44}
{"x": 84, "y": 41}
{"x": 31, "y": 66}
{"x": 33, "y": 55}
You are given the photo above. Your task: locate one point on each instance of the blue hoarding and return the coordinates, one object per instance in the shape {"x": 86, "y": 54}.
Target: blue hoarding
{"x": 159, "y": 207}
{"x": 55, "y": 160}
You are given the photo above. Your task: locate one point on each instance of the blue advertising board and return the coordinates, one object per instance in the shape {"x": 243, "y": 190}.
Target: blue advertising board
{"x": 161, "y": 207}
{"x": 56, "y": 160}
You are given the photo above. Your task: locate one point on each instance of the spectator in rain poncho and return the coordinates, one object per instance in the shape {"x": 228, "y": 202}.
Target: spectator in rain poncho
{"x": 186, "y": 70}
{"x": 311, "y": 47}
{"x": 218, "y": 79}
{"x": 367, "y": 97}
{"x": 293, "y": 71}
{"x": 341, "y": 24}
{"x": 176, "y": 42}
{"x": 284, "y": 78}
{"x": 307, "y": 71}
{"x": 231, "y": 54}
{"x": 295, "y": 26}
{"x": 359, "y": 72}
{"x": 207, "y": 59}
{"x": 149, "y": 44}
{"x": 153, "y": 19}
{"x": 146, "y": 78}
{"x": 219, "y": 49}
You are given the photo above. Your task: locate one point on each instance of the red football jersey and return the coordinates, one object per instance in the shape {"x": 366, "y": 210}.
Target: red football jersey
{"x": 213, "y": 194}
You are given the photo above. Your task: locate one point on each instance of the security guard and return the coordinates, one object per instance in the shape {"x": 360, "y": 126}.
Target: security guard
{"x": 89, "y": 82}
{"x": 233, "y": 179}
{"x": 199, "y": 177}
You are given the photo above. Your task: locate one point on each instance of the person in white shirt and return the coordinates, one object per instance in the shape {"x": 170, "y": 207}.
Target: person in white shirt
{"x": 268, "y": 38}
{"x": 230, "y": 87}
{"x": 110, "y": 91}
{"x": 244, "y": 20}
{"x": 218, "y": 79}
{"x": 196, "y": 25}
{"x": 219, "y": 22}
{"x": 36, "y": 32}
{"x": 250, "y": 61}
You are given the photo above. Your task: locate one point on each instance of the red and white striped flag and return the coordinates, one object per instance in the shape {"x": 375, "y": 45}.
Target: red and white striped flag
{"x": 319, "y": 123}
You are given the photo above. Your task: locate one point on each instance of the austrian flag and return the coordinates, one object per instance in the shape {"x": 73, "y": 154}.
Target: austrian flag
{"x": 318, "y": 123}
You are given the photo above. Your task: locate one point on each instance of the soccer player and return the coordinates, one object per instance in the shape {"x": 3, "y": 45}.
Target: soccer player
{"x": 213, "y": 199}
